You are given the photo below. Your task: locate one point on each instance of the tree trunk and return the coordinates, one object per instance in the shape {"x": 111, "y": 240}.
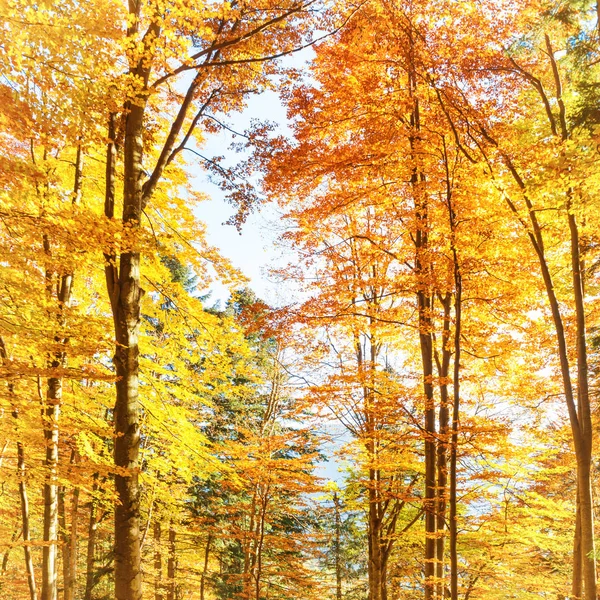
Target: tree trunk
{"x": 171, "y": 563}
{"x": 71, "y": 581}
{"x": 430, "y": 445}
{"x": 442, "y": 467}
{"x": 158, "y": 585}
{"x": 455, "y": 408}
{"x": 577, "y": 584}
{"x": 49, "y": 552}
{"x": 249, "y": 547}
{"x": 584, "y": 461}
{"x": 125, "y": 296}
{"x": 580, "y": 414}
{"x": 90, "y": 562}
{"x": 13, "y": 539}
{"x": 25, "y": 518}
{"x": 62, "y": 523}
{"x": 338, "y": 547}
{"x": 422, "y": 272}
{"x": 21, "y": 475}
{"x": 205, "y": 568}
{"x": 50, "y": 417}
{"x": 377, "y": 571}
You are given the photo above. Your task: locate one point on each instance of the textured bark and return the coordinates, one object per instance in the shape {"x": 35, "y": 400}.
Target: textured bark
{"x": 125, "y": 294}
{"x": 124, "y": 291}
{"x": 126, "y": 303}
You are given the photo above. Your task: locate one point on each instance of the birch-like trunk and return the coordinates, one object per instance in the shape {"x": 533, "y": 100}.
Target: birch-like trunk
{"x": 50, "y": 417}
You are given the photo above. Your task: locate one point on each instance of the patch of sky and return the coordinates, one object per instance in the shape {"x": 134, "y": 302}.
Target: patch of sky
{"x": 253, "y": 249}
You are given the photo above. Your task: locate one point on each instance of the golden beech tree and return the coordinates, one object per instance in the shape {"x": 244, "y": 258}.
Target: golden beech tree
{"x": 147, "y": 79}
{"x": 225, "y": 48}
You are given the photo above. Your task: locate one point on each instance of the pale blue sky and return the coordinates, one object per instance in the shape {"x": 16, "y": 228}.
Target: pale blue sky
{"x": 253, "y": 251}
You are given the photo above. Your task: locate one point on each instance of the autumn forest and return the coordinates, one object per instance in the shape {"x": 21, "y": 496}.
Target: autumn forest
{"x": 417, "y": 417}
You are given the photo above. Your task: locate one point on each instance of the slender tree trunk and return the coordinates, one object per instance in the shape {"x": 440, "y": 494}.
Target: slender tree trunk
{"x": 71, "y": 581}
{"x": 260, "y": 543}
{"x": 62, "y": 523}
{"x": 13, "y": 539}
{"x": 452, "y": 499}
{"x": 50, "y": 416}
{"x": 249, "y": 547}
{"x": 338, "y": 546}
{"x": 90, "y": 562}
{"x": 49, "y": 552}
{"x": 580, "y": 414}
{"x": 171, "y": 563}
{"x": 430, "y": 445}
{"x": 25, "y": 518}
{"x": 422, "y": 272}
{"x": 577, "y": 584}
{"x": 442, "y": 467}
{"x": 204, "y": 575}
{"x": 377, "y": 583}
{"x": 158, "y": 585}
{"x": 584, "y": 474}
{"x": 21, "y": 475}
